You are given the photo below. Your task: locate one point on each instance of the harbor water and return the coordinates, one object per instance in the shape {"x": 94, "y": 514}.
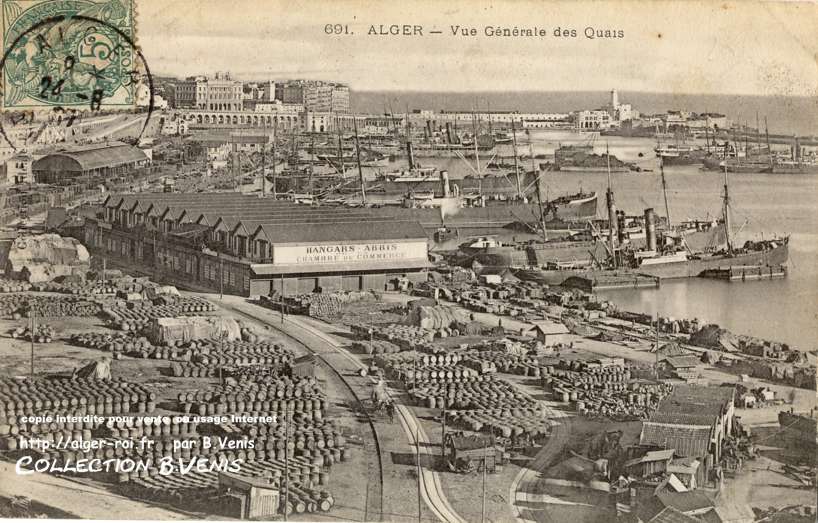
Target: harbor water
{"x": 763, "y": 205}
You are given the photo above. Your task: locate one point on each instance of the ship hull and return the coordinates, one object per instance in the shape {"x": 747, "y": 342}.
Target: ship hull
{"x": 795, "y": 169}
{"x": 498, "y": 258}
{"x": 495, "y": 214}
{"x": 694, "y": 267}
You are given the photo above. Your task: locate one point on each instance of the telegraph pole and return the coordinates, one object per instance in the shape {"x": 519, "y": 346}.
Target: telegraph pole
{"x": 286, "y": 461}
{"x": 656, "y": 360}
{"x": 483, "y": 506}
{"x": 221, "y": 275}
{"x": 33, "y": 323}
{"x": 443, "y": 436}
{"x": 417, "y": 460}
{"x": 516, "y": 165}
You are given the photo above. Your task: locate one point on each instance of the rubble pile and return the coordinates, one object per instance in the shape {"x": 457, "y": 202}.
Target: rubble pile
{"x": 45, "y": 257}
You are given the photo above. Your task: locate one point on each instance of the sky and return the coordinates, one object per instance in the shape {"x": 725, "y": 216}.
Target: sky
{"x": 749, "y": 48}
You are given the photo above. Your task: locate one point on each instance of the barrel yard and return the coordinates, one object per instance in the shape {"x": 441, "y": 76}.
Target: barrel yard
{"x": 171, "y": 388}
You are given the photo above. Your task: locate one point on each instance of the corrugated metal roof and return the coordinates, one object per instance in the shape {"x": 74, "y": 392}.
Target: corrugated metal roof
{"x": 687, "y": 441}
{"x": 685, "y": 501}
{"x": 341, "y": 231}
{"x": 88, "y": 158}
{"x": 682, "y": 362}
{"x": 680, "y": 418}
{"x": 698, "y": 400}
{"x": 671, "y": 515}
{"x": 654, "y": 455}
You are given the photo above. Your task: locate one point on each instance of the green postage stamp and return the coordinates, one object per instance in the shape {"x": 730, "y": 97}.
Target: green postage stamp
{"x": 77, "y": 54}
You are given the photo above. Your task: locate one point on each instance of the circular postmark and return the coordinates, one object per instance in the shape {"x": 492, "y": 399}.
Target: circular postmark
{"x": 65, "y": 71}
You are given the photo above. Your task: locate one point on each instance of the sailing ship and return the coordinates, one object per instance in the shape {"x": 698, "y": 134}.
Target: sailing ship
{"x": 676, "y": 261}
{"x": 796, "y": 164}
{"x": 473, "y": 203}
{"x": 670, "y": 258}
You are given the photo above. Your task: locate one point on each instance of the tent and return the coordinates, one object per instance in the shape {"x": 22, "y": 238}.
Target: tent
{"x": 97, "y": 370}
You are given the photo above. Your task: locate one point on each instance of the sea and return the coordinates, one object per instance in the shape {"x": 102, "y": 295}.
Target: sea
{"x": 784, "y": 114}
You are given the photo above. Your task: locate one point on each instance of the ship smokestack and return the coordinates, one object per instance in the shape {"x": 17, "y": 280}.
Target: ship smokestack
{"x": 444, "y": 182}
{"x": 620, "y": 226}
{"x": 429, "y": 132}
{"x": 650, "y": 229}
{"x": 410, "y": 152}
{"x": 612, "y": 221}
{"x": 449, "y": 136}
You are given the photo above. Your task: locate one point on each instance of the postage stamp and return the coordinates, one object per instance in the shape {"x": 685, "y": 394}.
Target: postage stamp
{"x": 69, "y": 53}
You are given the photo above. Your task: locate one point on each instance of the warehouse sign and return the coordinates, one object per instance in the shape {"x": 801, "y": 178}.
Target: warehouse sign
{"x": 357, "y": 253}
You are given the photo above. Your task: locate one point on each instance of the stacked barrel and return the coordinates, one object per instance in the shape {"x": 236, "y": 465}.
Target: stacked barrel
{"x": 41, "y": 334}
{"x": 603, "y": 391}
{"x": 300, "y": 444}
{"x": 135, "y": 315}
{"x": 19, "y": 305}
{"x": 77, "y": 397}
{"x": 7, "y": 285}
{"x": 407, "y": 337}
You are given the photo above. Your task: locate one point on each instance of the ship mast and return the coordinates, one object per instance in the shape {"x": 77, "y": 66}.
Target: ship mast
{"x": 516, "y": 166}
{"x": 340, "y": 148}
{"x": 612, "y": 226}
{"x": 358, "y": 160}
{"x": 477, "y": 155}
{"x": 275, "y": 139}
{"x": 312, "y": 153}
{"x": 264, "y": 163}
{"x": 726, "y": 211}
{"x": 536, "y": 173}
{"x": 767, "y": 135}
{"x": 664, "y": 188}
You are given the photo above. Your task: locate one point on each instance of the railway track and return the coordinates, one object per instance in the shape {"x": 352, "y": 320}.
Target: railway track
{"x": 430, "y": 487}
{"x": 378, "y": 499}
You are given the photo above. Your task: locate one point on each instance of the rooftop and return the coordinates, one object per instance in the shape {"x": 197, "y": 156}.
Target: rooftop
{"x": 699, "y": 400}
{"x": 671, "y": 515}
{"x": 111, "y": 154}
{"x": 686, "y": 441}
{"x": 685, "y": 501}
{"x": 682, "y": 362}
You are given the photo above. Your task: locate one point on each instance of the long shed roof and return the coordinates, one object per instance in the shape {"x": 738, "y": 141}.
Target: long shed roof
{"x": 89, "y": 158}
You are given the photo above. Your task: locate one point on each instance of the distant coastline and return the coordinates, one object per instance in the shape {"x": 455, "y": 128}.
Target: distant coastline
{"x": 785, "y": 114}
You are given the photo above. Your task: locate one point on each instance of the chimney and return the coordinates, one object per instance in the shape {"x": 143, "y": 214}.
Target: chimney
{"x": 410, "y": 154}
{"x": 620, "y": 226}
{"x": 612, "y": 221}
{"x": 650, "y": 229}
{"x": 444, "y": 181}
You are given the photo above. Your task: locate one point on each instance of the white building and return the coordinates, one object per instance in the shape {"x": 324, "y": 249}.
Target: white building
{"x": 220, "y": 93}
{"x": 18, "y": 169}
{"x": 174, "y": 125}
{"x": 596, "y": 120}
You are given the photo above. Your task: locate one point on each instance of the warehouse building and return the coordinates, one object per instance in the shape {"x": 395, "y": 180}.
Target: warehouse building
{"x": 253, "y": 246}
{"x": 99, "y": 160}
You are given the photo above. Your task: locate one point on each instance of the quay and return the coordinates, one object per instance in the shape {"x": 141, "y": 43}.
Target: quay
{"x": 746, "y": 273}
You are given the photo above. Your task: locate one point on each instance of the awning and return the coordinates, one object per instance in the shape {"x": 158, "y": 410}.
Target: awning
{"x": 267, "y": 269}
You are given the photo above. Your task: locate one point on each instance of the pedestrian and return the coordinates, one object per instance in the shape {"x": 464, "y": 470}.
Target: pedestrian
{"x": 390, "y": 411}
